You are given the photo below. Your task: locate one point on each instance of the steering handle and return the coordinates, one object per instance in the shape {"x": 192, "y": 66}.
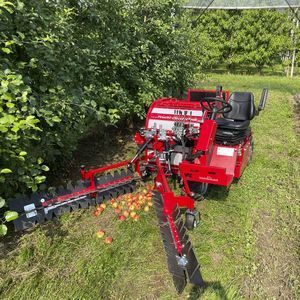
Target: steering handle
{"x": 226, "y": 107}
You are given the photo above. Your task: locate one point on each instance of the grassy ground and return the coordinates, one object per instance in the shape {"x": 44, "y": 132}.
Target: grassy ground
{"x": 277, "y": 70}
{"x": 247, "y": 242}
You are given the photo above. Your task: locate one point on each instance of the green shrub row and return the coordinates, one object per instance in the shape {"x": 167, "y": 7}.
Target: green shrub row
{"x": 67, "y": 65}
{"x": 247, "y": 38}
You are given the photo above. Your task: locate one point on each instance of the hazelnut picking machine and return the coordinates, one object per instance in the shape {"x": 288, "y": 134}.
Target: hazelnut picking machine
{"x": 203, "y": 140}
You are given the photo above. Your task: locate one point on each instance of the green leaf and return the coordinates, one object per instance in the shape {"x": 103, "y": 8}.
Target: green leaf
{"x": 21, "y": 35}
{"x": 7, "y": 119}
{"x": 16, "y": 128}
{"x": 34, "y": 188}
{"x": 3, "y": 129}
{"x": 40, "y": 160}
{"x": 10, "y": 216}
{"x": 43, "y": 88}
{"x": 5, "y": 171}
{"x": 20, "y": 5}
{"x": 23, "y": 153}
{"x": 10, "y": 105}
{"x": 56, "y": 119}
{"x": 31, "y": 120}
{"x": 2, "y": 202}
{"x": 8, "y": 43}
{"x": 39, "y": 179}
{"x": 45, "y": 168}
{"x": 25, "y": 179}
{"x": 7, "y": 96}
{"x": 3, "y": 229}
{"x": 5, "y": 50}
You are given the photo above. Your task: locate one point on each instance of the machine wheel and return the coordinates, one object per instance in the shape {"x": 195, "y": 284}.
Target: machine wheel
{"x": 146, "y": 173}
{"x": 199, "y": 189}
{"x": 190, "y": 221}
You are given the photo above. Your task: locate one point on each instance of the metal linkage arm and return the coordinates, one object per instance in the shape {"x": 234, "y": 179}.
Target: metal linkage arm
{"x": 141, "y": 150}
{"x": 181, "y": 260}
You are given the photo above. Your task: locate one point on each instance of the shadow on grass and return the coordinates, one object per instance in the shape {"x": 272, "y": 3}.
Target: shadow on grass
{"x": 214, "y": 288}
{"x": 217, "y": 193}
{"x": 97, "y": 148}
{"x": 11, "y": 241}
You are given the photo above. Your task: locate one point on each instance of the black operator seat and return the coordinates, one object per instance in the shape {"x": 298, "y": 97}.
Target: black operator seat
{"x": 234, "y": 126}
{"x": 243, "y": 110}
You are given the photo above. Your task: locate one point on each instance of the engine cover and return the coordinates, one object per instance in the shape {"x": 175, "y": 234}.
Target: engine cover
{"x": 166, "y": 113}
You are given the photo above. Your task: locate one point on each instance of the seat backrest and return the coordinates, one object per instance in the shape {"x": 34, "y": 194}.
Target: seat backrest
{"x": 243, "y": 107}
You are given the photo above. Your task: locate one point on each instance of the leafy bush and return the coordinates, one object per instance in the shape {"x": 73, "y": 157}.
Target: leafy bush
{"x": 245, "y": 38}
{"x": 68, "y": 65}
{"x": 19, "y": 129}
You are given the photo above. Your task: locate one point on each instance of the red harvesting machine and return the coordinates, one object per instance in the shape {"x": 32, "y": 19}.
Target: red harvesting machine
{"x": 203, "y": 140}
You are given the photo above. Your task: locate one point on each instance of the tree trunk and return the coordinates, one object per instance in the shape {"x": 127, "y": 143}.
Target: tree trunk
{"x": 294, "y": 38}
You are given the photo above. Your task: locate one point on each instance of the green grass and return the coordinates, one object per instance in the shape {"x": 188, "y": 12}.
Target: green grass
{"x": 277, "y": 70}
{"x": 246, "y": 243}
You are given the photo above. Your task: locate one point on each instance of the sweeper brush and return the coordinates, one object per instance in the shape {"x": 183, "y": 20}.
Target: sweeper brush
{"x": 181, "y": 266}
{"x": 91, "y": 190}
{"x": 203, "y": 140}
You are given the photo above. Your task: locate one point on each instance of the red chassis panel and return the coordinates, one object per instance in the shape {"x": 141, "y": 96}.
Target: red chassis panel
{"x": 206, "y": 174}
{"x": 244, "y": 155}
{"x": 227, "y": 162}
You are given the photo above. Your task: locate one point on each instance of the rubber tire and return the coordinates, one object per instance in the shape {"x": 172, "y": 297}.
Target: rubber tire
{"x": 190, "y": 222}
{"x": 198, "y": 188}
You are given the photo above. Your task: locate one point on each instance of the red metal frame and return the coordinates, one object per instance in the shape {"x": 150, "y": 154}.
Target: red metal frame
{"x": 213, "y": 164}
{"x": 89, "y": 175}
{"x": 170, "y": 125}
{"x": 178, "y": 143}
{"x": 170, "y": 202}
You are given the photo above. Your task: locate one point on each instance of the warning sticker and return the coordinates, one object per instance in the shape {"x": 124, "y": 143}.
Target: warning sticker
{"x": 225, "y": 151}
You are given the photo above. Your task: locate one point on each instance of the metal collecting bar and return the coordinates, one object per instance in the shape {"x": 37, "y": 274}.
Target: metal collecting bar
{"x": 232, "y": 5}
